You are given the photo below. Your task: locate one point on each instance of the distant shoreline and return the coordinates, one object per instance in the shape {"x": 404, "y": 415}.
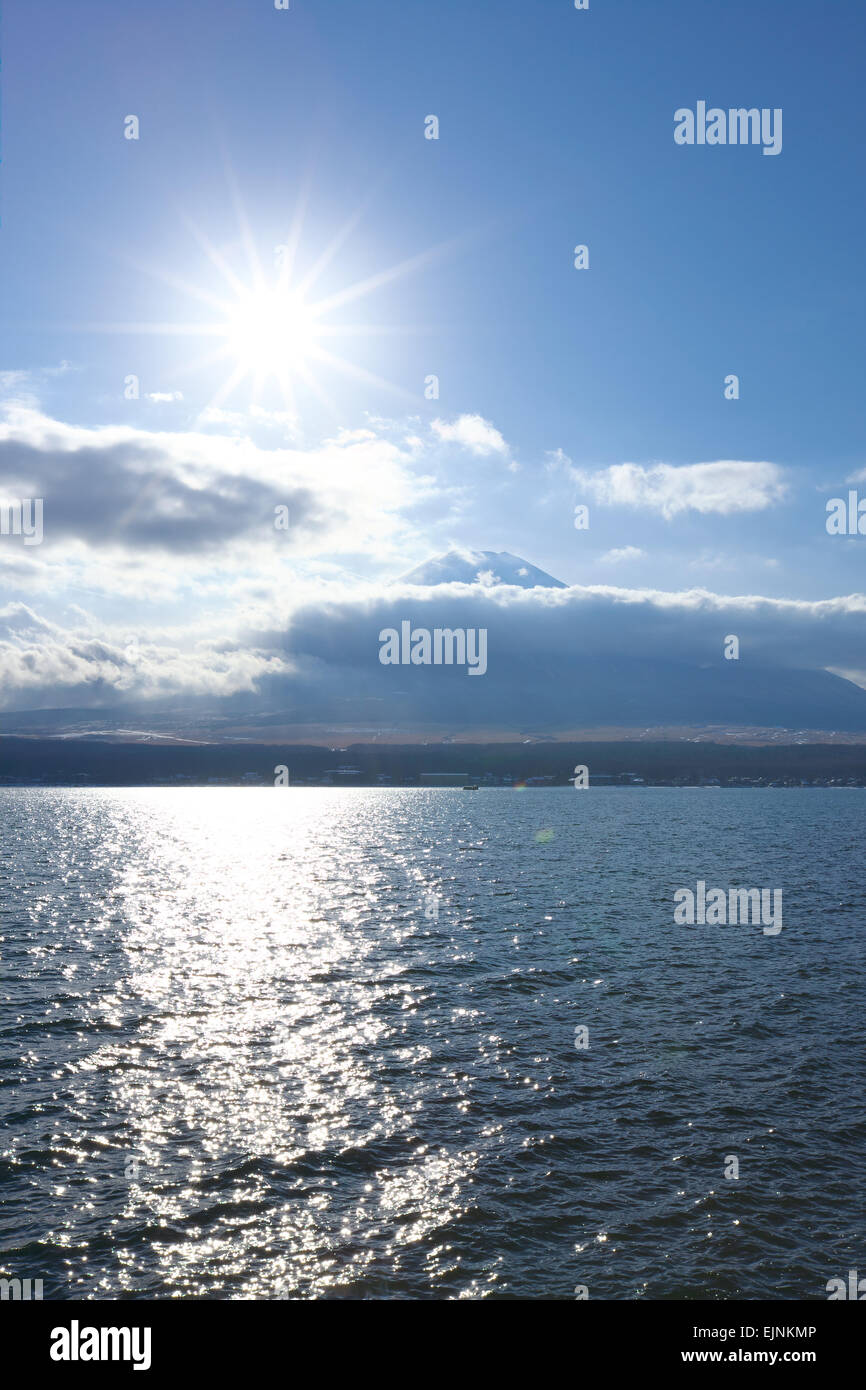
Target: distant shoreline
{"x": 410, "y": 786}
{"x": 98, "y": 763}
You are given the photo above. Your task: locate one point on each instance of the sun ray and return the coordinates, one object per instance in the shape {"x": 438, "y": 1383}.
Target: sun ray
{"x": 270, "y": 331}
{"x": 330, "y": 251}
{"x": 357, "y": 373}
{"x": 214, "y": 256}
{"x": 201, "y": 364}
{"x": 287, "y": 264}
{"x": 383, "y": 277}
{"x": 243, "y": 223}
{"x": 224, "y": 391}
{"x": 168, "y": 329}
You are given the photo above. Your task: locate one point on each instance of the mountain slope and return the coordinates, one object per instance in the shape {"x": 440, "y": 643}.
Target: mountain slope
{"x": 481, "y": 567}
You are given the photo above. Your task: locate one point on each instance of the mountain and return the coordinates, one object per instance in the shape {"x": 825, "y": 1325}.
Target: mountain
{"x": 483, "y": 567}
{"x": 558, "y": 660}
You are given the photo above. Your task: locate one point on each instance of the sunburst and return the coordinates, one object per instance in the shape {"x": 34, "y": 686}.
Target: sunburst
{"x": 270, "y": 330}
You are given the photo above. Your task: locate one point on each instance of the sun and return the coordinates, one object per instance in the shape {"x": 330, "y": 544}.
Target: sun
{"x": 265, "y": 330}
{"x": 269, "y": 332}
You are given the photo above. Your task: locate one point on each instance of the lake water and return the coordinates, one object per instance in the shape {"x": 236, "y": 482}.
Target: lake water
{"x": 305, "y": 1043}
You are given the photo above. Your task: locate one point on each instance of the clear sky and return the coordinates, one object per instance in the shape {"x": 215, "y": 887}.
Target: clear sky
{"x": 305, "y": 129}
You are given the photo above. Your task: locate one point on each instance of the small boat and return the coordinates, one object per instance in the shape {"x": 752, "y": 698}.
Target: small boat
{"x": 472, "y": 788}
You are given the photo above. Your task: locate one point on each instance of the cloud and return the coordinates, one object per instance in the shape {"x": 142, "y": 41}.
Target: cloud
{"x": 576, "y": 657}
{"x": 241, "y": 421}
{"x": 611, "y": 620}
{"x": 13, "y": 381}
{"x": 724, "y": 487}
{"x": 22, "y": 385}
{"x": 583, "y": 656}
{"x": 626, "y": 552}
{"x": 44, "y": 665}
{"x": 181, "y": 525}
{"x": 556, "y": 460}
{"x": 474, "y": 433}
{"x": 191, "y": 493}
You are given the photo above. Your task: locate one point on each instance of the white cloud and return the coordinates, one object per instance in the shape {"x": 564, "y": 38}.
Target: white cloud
{"x": 315, "y": 648}
{"x": 78, "y": 665}
{"x": 215, "y": 415}
{"x": 724, "y": 487}
{"x": 474, "y": 433}
{"x": 556, "y": 460}
{"x": 120, "y": 490}
{"x": 626, "y": 552}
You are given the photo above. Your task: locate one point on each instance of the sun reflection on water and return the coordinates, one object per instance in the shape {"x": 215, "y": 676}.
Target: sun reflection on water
{"x": 270, "y": 1043}
{"x": 260, "y": 948}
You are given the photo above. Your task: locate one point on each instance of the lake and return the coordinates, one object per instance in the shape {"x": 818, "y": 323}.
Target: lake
{"x": 386, "y": 1043}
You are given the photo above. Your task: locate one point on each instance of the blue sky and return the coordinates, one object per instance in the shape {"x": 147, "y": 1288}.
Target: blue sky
{"x": 556, "y": 128}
